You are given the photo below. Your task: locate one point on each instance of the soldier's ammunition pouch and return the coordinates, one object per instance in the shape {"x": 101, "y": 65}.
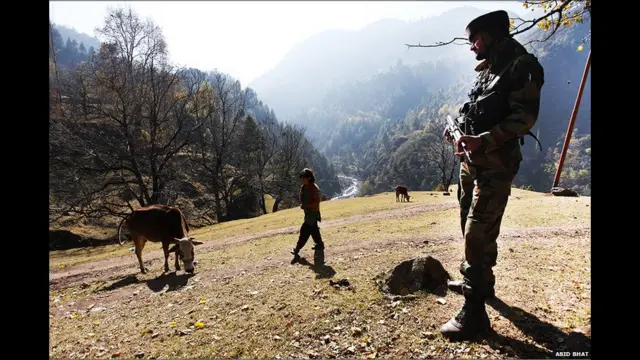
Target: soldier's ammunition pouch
{"x": 490, "y": 107}
{"x": 487, "y": 111}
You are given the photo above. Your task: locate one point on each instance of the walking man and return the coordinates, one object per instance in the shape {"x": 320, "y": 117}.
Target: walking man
{"x": 503, "y": 107}
{"x": 310, "y": 198}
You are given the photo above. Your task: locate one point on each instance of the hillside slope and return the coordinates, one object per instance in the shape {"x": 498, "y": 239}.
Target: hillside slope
{"x": 246, "y": 299}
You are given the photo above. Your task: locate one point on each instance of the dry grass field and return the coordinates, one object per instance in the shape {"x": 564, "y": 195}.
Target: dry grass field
{"x": 247, "y": 300}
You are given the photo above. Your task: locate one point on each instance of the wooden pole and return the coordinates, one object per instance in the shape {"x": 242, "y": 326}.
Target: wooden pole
{"x": 574, "y": 114}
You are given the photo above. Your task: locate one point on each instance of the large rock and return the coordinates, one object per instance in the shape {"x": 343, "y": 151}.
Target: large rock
{"x": 419, "y": 274}
{"x": 559, "y": 191}
{"x": 63, "y": 240}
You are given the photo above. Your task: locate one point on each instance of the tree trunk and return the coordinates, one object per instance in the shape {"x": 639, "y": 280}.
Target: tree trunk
{"x": 275, "y": 204}
{"x": 263, "y": 204}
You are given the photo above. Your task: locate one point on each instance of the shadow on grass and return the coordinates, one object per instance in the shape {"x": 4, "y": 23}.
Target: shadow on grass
{"x": 322, "y": 270}
{"x": 543, "y": 333}
{"x": 548, "y": 337}
{"x": 170, "y": 281}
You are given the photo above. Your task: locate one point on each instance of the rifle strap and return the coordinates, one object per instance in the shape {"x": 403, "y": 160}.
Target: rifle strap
{"x": 495, "y": 81}
{"x": 533, "y": 136}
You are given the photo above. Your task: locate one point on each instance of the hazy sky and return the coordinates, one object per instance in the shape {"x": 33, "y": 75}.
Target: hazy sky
{"x": 247, "y": 38}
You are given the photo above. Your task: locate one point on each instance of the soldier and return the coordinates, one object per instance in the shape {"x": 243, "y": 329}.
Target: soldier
{"x": 310, "y": 198}
{"x": 503, "y": 107}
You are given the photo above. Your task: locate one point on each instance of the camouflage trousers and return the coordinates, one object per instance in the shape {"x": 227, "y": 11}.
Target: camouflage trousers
{"x": 483, "y": 195}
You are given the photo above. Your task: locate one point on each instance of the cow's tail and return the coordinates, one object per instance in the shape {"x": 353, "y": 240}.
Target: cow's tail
{"x": 120, "y": 228}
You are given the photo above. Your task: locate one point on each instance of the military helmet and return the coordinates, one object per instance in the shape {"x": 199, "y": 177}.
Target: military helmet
{"x": 495, "y": 23}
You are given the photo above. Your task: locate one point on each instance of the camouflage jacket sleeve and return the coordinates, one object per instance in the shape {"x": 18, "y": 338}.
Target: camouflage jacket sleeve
{"x": 527, "y": 78}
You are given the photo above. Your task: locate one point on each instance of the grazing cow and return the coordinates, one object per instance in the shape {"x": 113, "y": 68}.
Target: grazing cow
{"x": 402, "y": 191}
{"x": 165, "y": 224}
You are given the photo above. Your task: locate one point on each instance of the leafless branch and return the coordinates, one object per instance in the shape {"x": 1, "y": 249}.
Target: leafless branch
{"x": 523, "y": 26}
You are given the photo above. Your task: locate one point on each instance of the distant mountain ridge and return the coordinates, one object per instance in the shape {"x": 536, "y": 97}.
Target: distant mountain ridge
{"x": 334, "y": 57}
{"x": 67, "y": 32}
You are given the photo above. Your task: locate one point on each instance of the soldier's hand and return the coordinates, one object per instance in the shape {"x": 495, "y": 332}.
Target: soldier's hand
{"x": 447, "y": 135}
{"x": 473, "y": 143}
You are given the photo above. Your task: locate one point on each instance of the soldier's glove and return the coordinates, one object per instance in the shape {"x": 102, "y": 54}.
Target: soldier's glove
{"x": 447, "y": 136}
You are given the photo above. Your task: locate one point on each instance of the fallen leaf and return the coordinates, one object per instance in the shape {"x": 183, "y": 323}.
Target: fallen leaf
{"x": 172, "y": 324}
{"x": 199, "y": 325}
{"x": 203, "y": 300}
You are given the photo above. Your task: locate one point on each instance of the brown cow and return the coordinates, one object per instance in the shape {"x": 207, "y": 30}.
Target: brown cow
{"x": 165, "y": 224}
{"x": 402, "y": 191}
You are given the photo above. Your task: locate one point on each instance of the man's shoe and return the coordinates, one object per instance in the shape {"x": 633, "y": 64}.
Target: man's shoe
{"x": 471, "y": 321}
{"x": 456, "y": 286}
{"x": 296, "y": 256}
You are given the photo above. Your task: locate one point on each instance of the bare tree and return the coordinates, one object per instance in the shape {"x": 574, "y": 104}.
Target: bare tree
{"x": 557, "y": 14}
{"x": 215, "y": 151}
{"x": 440, "y": 154}
{"x": 289, "y": 160}
{"x": 260, "y": 145}
{"x": 128, "y": 114}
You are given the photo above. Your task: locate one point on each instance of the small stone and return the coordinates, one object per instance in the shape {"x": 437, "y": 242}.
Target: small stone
{"x": 428, "y": 334}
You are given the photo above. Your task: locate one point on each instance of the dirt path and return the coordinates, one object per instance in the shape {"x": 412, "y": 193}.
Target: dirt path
{"x": 96, "y": 269}
{"x": 130, "y": 283}
{"x": 252, "y": 302}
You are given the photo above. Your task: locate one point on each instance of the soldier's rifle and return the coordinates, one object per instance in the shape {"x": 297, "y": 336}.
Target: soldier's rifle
{"x": 454, "y": 131}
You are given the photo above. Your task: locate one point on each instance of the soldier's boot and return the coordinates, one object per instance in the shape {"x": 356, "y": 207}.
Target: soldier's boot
{"x": 471, "y": 321}
{"x": 456, "y": 286}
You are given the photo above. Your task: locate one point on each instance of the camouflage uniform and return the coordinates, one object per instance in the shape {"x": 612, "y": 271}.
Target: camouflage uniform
{"x": 309, "y": 197}
{"x": 484, "y": 187}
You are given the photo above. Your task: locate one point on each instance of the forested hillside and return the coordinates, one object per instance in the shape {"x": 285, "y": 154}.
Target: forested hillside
{"x": 386, "y": 127}
{"x": 129, "y": 129}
